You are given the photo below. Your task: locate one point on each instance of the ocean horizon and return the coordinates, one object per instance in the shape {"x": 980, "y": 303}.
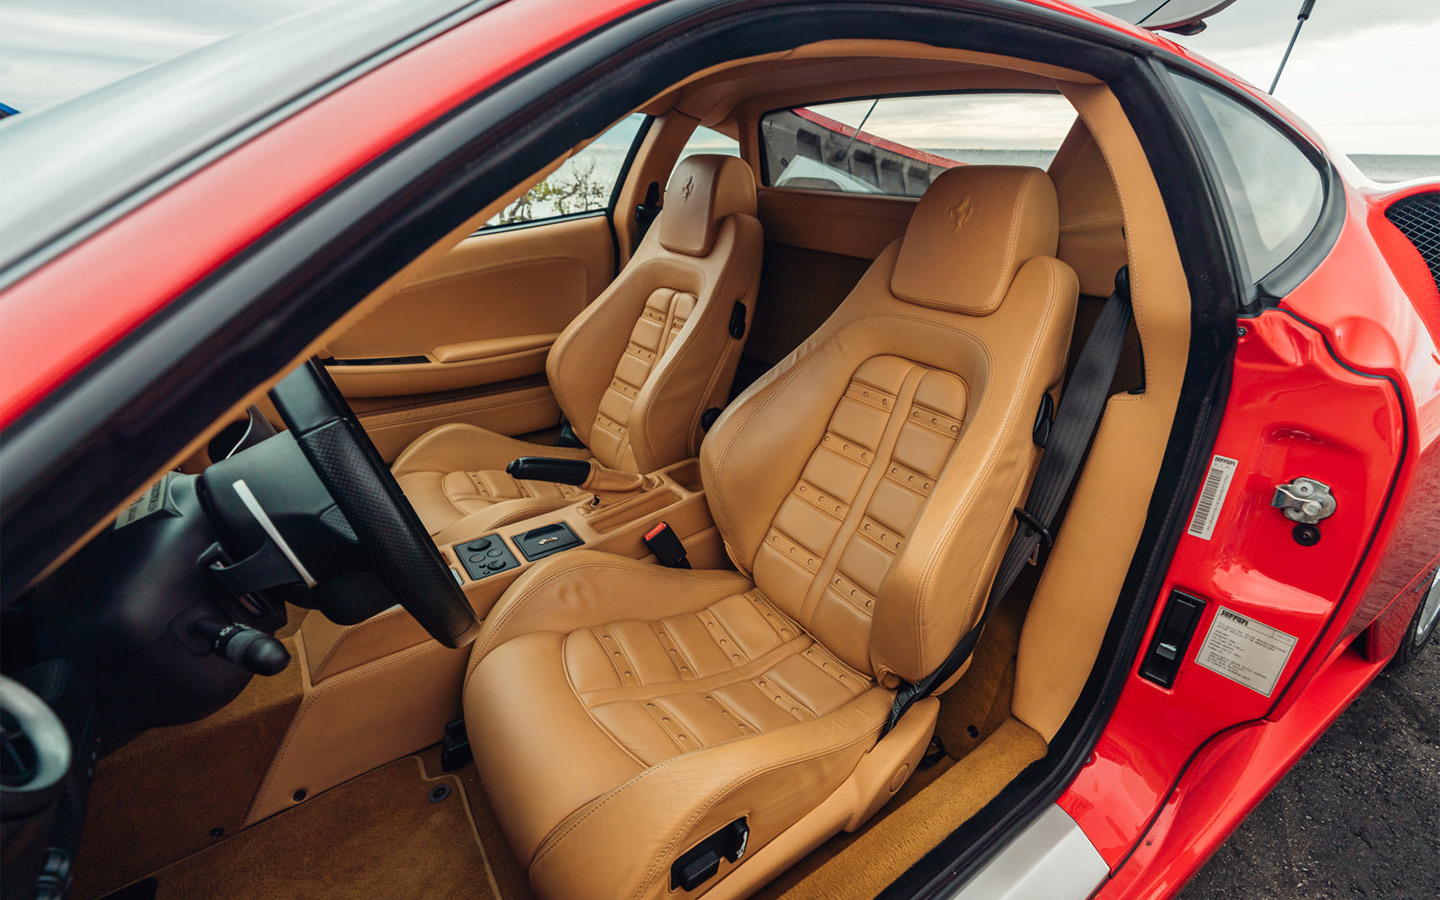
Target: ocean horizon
{"x": 1397, "y": 166}
{"x": 602, "y": 164}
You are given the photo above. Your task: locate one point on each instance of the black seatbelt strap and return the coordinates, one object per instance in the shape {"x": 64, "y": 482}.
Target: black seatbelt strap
{"x": 1075, "y": 424}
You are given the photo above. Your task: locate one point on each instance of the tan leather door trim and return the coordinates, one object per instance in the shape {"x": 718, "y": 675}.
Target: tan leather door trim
{"x": 485, "y": 312}
{"x": 483, "y": 318}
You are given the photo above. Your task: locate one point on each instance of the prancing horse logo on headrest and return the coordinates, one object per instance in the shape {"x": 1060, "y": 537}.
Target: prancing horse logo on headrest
{"x": 687, "y": 188}
{"x": 961, "y": 212}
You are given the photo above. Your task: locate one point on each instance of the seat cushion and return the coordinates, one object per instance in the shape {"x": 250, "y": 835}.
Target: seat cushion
{"x": 562, "y": 718}
{"x": 455, "y": 471}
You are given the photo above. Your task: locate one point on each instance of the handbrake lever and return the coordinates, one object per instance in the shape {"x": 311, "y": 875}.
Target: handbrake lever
{"x": 549, "y": 468}
{"x": 584, "y": 473}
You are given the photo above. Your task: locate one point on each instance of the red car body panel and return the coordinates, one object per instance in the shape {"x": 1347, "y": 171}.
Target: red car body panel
{"x": 1227, "y": 779}
{"x": 1299, "y": 405}
{"x": 1176, "y": 769}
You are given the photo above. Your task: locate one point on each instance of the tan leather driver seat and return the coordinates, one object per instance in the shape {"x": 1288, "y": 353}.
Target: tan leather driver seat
{"x": 633, "y": 373}
{"x": 622, "y": 713}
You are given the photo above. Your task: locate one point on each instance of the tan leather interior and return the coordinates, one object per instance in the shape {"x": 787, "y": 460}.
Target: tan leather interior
{"x": 654, "y": 162}
{"x": 1092, "y": 227}
{"x": 522, "y": 406}
{"x": 455, "y": 471}
{"x": 480, "y": 320}
{"x": 863, "y": 488}
{"x": 369, "y": 675}
{"x": 350, "y": 721}
{"x": 662, "y": 333}
{"x": 1082, "y": 579}
{"x": 848, "y": 224}
{"x": 622, "y": 711}
{"x": 843, "y": 69}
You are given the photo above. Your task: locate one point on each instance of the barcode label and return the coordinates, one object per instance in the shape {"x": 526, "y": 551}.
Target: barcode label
{"x": 1212, "y": 497}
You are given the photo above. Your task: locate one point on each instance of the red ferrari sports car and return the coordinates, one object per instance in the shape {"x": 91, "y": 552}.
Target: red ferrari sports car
{"x": 557, "y": 449}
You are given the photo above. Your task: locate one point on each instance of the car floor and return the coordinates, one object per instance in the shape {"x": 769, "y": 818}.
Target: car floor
{"x": 985, "y": 748}
{"x": 380, "y": 835}
{"x": 393, "y": 832}
{"x": 169, "y": 792}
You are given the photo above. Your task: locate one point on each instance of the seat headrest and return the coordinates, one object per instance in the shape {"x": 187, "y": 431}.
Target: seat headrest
{"x": 972, "y": 231}
{"x": 704, "y": 190}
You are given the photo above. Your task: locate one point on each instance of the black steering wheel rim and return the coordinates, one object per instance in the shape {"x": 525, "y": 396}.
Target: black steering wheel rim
{"x": 389, "y": 532}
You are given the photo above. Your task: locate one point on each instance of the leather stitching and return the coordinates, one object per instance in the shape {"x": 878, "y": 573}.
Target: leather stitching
{"x": 658, "y": 574}
{"x": 550, "y": 843}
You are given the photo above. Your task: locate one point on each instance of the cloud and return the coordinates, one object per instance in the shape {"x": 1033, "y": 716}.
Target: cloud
{"x": 1362, "y": 74}
{"x": 1250, "y": 24}
{"x": 985, "y": 121}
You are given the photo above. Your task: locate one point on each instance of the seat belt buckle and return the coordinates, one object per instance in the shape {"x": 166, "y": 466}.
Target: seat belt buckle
{"x": 665, "y": 544}
{"x": 1033, "y": 527}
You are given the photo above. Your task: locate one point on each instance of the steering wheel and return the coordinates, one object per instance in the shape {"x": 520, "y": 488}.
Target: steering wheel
{"x": 389, "y": 532}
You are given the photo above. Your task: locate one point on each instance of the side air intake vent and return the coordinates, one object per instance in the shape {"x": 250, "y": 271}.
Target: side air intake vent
{"x": 1418, "y": 217}
{"x": 19, "y": 763}
{"x": 34, "y": 749}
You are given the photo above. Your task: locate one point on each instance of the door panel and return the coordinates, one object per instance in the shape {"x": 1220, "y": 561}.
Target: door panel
{"x": 514, "y": 407}
{"x": 467, "y": 341}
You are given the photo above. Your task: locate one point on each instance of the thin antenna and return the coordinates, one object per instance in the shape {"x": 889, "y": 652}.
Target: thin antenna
{"x": 850, "y": 143}
{"x": 1305, "y": 9}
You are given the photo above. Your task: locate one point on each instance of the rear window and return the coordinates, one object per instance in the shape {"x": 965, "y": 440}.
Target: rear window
{"x": 898, "y": 145}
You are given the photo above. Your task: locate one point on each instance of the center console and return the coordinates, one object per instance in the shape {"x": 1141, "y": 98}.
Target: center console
{"x": 380, "y": 689}
{"x": 613, "y": 522}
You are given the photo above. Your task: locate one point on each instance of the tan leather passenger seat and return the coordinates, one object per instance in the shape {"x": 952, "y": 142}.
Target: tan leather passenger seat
{"x": 622, "y": 713}
{"x": 633, "y": 372}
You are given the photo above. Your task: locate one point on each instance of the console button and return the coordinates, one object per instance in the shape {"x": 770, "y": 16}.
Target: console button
{"x": 495, "y": 552}
{"x": 478, "y": 545}
{"x": 495, "y": 565}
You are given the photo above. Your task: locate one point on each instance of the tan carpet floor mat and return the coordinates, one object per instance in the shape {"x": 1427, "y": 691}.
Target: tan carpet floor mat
{"x": 380, "y": 835}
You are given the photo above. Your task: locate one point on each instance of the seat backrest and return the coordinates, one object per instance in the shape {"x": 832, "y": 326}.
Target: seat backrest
{"x": 867, "y": 482}
{"x": 637, "y": 368}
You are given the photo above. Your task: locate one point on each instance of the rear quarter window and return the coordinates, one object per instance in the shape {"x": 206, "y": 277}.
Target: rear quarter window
{"x": 1274, "y": 190}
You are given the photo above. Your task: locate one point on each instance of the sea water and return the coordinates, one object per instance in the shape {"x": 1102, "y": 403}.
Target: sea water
{"x": 1383, "y": 167}
{"x": 602, "y": 165}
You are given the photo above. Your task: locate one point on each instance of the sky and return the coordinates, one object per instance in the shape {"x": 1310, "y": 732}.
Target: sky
{"x": 1007, "y": 121}
{"x": 1361, "y": 74}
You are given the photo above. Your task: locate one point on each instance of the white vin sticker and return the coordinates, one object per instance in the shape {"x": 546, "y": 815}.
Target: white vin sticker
{"x": 148, "y": 503}
{"x": 1246, "y": 651}
{"x": 1212, "y": 497}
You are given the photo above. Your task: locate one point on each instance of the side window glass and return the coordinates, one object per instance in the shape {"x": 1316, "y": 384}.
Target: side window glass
{"x": 582, "y": 184}
{"x": 1274, "y": 190}
{"x": 898, "y": 145}
{"x": 708, "y": 140}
